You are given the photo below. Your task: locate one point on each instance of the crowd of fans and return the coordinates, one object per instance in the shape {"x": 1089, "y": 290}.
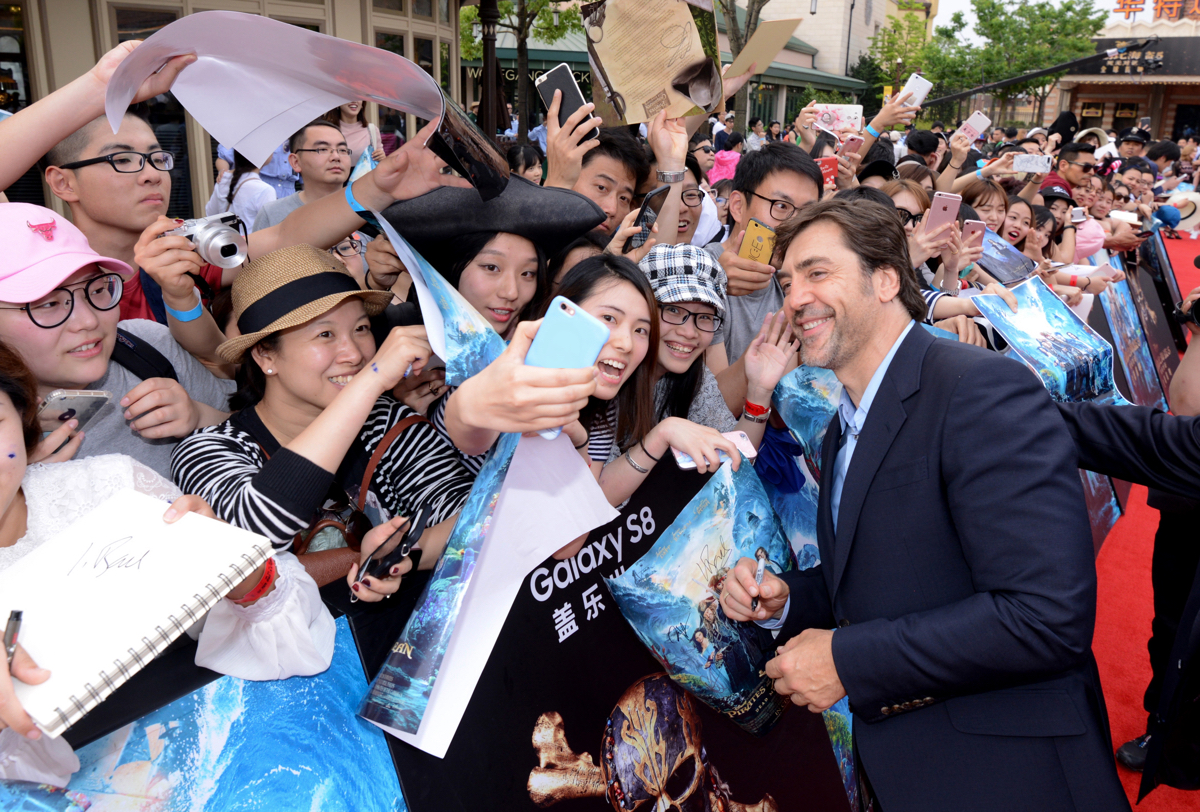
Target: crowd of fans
{"x": 297, "y": 392}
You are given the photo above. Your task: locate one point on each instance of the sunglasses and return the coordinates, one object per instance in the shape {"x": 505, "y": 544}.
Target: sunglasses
{"x": 339, "y": 513}
{"x": 708, "y": 150}
{"x": 1086, "y": 167}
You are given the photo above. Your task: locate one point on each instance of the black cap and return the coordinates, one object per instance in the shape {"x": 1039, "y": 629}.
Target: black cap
{"x": 1057, "y": 192}
{"x": 922, "y": 142}
{"x": 1066, "y": 125}
{"x": 881, "y": 169}
{"x": 1133, "y": 134}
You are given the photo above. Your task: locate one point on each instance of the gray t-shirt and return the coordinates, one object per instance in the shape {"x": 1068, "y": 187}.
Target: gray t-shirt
{"x": 708, "y": 407}
{"x": 744, "y": 314}
{"x": 109, "y": 432}
{"x": 273, "y": 212}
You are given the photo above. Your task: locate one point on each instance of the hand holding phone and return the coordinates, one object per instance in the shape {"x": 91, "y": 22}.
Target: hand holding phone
{"x": 919, "y": 87}
{"x": 561, "y": 78}
{"x": 568, "y": 338}
{"x": 758, "y": 244}
{"x": 647, "y": 214}
{"x": 829, "y": 169}
{"x": 943, "y": 210}
{"x": 851, "y": 145}
{"x": 740, "y": 439}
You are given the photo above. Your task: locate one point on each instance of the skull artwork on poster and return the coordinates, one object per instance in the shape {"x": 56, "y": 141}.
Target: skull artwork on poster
{"x": 652, "y": 758}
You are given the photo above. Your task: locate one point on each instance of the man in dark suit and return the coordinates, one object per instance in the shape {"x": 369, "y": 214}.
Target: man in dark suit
{"x": 957, "y": 561}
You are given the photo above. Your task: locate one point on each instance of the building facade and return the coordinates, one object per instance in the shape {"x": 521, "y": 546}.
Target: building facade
{"x": 45, "y": 44}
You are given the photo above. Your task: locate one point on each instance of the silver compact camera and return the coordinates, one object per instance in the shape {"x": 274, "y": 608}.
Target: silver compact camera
{"x": 218, "y": 239}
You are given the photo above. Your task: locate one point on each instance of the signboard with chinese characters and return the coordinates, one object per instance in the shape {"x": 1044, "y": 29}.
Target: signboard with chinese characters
{"x": 1162, "y": 9}
{"x": 1180, "y": 57}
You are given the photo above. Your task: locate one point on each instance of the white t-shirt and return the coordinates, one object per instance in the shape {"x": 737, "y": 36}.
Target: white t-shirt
{"x": 251, "y": 194}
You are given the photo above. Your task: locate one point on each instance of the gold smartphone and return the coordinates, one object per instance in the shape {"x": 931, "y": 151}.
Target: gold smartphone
{"x": 758, "y": 244}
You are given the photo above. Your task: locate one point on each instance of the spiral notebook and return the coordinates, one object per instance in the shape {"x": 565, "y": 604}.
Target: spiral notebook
{"x": 103, "y": 597}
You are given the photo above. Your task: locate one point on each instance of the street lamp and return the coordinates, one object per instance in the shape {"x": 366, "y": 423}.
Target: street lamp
{"x": 813, "y": 8}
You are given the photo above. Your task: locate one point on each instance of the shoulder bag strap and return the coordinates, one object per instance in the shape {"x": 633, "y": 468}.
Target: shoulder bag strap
{"x": 381, "y": 449}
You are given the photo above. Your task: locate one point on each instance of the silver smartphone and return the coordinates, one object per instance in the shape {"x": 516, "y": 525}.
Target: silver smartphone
{"x": 62, "y": 405}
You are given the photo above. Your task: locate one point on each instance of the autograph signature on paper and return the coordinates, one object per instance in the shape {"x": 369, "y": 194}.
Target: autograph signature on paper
{"x": 120, "y": 554}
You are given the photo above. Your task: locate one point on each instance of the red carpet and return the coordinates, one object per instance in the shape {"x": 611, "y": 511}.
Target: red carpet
{"x": 1125, "y": 606}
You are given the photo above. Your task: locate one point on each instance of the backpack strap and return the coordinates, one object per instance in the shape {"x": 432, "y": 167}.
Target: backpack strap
{"x": 141, "y": 358}
{"x": 381, "y": 449}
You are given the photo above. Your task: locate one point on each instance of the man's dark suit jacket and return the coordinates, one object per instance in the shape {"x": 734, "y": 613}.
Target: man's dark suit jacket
{"x": 962, "y": 585}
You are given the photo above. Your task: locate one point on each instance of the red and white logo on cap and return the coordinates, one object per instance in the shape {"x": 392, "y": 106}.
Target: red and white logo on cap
{"x": 45, "y": 229}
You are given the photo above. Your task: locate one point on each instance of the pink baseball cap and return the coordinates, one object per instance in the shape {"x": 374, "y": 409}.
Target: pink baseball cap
{"x": 42, "y": 250}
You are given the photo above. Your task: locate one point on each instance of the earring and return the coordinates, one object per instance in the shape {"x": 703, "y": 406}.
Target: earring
{"x": 270, "y": 372}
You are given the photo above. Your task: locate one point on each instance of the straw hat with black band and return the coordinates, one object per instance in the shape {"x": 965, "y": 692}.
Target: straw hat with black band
{"x": 287, "y": 288}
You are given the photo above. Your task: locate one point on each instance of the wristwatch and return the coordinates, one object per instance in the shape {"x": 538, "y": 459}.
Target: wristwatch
{"x": 671, "y": 177}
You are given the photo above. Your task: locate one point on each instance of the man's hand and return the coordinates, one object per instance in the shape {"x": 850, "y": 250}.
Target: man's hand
{"x": 669, "y": 139}
{"x": 169, "y": 260}
{"x": 1123, "y": 239}
{"x": 411, "y": 171}
{"x": 565, "y": 146}
{"x": 740, "y": 591}
{"x": 744, "y": 275}
{"x": 160, "y": 407}
{"x": 154, "y": 85}
{"x": 383, "y": 265}
{"x": 805, "y": 671}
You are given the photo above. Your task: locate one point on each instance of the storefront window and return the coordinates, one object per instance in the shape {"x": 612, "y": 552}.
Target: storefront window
{"x": 15, "y": 92}
{"x": 165, "y": 113}
{"x": 391, "y": 120}
{"x": 423, "y": 54}
{"x": 444, "y": 47}
{"x": 389, "y": 5}
{"x": 423, "y": 8}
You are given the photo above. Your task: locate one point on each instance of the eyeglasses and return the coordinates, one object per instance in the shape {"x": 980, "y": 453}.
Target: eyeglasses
{"x": 722, "y": 200}
{"x": 907, "y": 217}
{"x": 780, "y": 209}
{"x": 347, "y": 248}
{"x": 693, "y": 198}
{"x": 129, "y": 163}
{"x": 674, "y": 314}
{"x": 1086, "y": 167}
{"x": 102, "y": 292}
{"x": 708, "y": 150}
{"x": 323, "y": 152}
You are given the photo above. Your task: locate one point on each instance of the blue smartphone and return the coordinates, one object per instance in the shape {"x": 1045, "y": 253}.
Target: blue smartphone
{"x": 569, "y": 338}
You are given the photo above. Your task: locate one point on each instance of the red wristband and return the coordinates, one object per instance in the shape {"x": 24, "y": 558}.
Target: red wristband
{"x": 1074, "y": 279}
{"x": 260, "y": 589}
{"x": 755, "y": 410}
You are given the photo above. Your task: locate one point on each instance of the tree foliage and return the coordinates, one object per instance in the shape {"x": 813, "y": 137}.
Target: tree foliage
{"x": 522, "y": 19}
{"x": 1018, "y": 36}
{"x": 738, "y": 35}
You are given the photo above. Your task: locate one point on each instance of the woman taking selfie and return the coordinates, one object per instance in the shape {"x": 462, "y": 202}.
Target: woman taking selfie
{"x": 314, "y": 423}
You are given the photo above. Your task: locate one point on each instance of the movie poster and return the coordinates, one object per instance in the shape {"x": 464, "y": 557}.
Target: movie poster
{"x": 1073, "y": 361}
{"x": 1103, "y": 508}
{"x": 573, "y": 711}
{"x": 239, "y": 745}
{"x": 1159, "y": 341}
{"x": 671, "y": 597}
{"x": 1130, "y": 343}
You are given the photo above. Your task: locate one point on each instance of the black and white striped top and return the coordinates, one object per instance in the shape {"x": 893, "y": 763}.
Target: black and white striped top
{"x": 278, "y": 497}
{"x": 437, "y": 416}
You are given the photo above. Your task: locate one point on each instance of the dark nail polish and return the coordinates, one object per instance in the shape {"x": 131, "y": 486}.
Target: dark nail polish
{"x": 354, "y": 587}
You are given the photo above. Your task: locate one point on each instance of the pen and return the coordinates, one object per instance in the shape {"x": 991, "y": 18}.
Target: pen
{"x": 758, "y": 576}
{"x": 10, "y": 635}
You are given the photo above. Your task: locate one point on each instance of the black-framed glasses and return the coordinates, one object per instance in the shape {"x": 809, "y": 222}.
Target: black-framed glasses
{"x": 907, "y": 217}
{"x": 129, "y": 163}
{"x": 345, "y": 152}
{"x": 780, "y": 209}
{"x": 674, "y": 314}
{"x": 53, "y": 309}
{"x": 708, "y": 150}
{"x": 693, "y": 198}
{"x": 347, "y": 248}
{"x": 1084, "y": 165}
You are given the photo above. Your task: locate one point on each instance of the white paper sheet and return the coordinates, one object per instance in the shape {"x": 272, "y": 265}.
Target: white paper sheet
{"x": 769, "y": 39}
{"x": 257, "y": 80}
{"x": 549, "y": 498}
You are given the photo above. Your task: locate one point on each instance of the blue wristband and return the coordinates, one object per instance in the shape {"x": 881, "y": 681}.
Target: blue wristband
{"x": 357, "y": 207}
{"x": 874, "y": 132}
{"x": 187, "y": 315}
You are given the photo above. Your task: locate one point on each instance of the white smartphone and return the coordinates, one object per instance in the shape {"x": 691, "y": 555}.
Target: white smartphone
{"x": 62, "y": 405}
{"x": 1034, "y": 164}
{"x": 686, "y": 463}
{"x": 919, "y": 86}
{"x": 974, "y": 126}
{"x": 1078, "y": 215}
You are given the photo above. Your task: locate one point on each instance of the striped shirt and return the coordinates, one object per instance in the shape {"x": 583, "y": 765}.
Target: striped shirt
{"x": 279, "y": 497}
{"x": 437, "y": 416}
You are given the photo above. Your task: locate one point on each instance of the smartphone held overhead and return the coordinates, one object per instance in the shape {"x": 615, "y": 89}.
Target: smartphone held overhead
{"x": 919, "y": 87}
{"x": 561, "y": 78}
